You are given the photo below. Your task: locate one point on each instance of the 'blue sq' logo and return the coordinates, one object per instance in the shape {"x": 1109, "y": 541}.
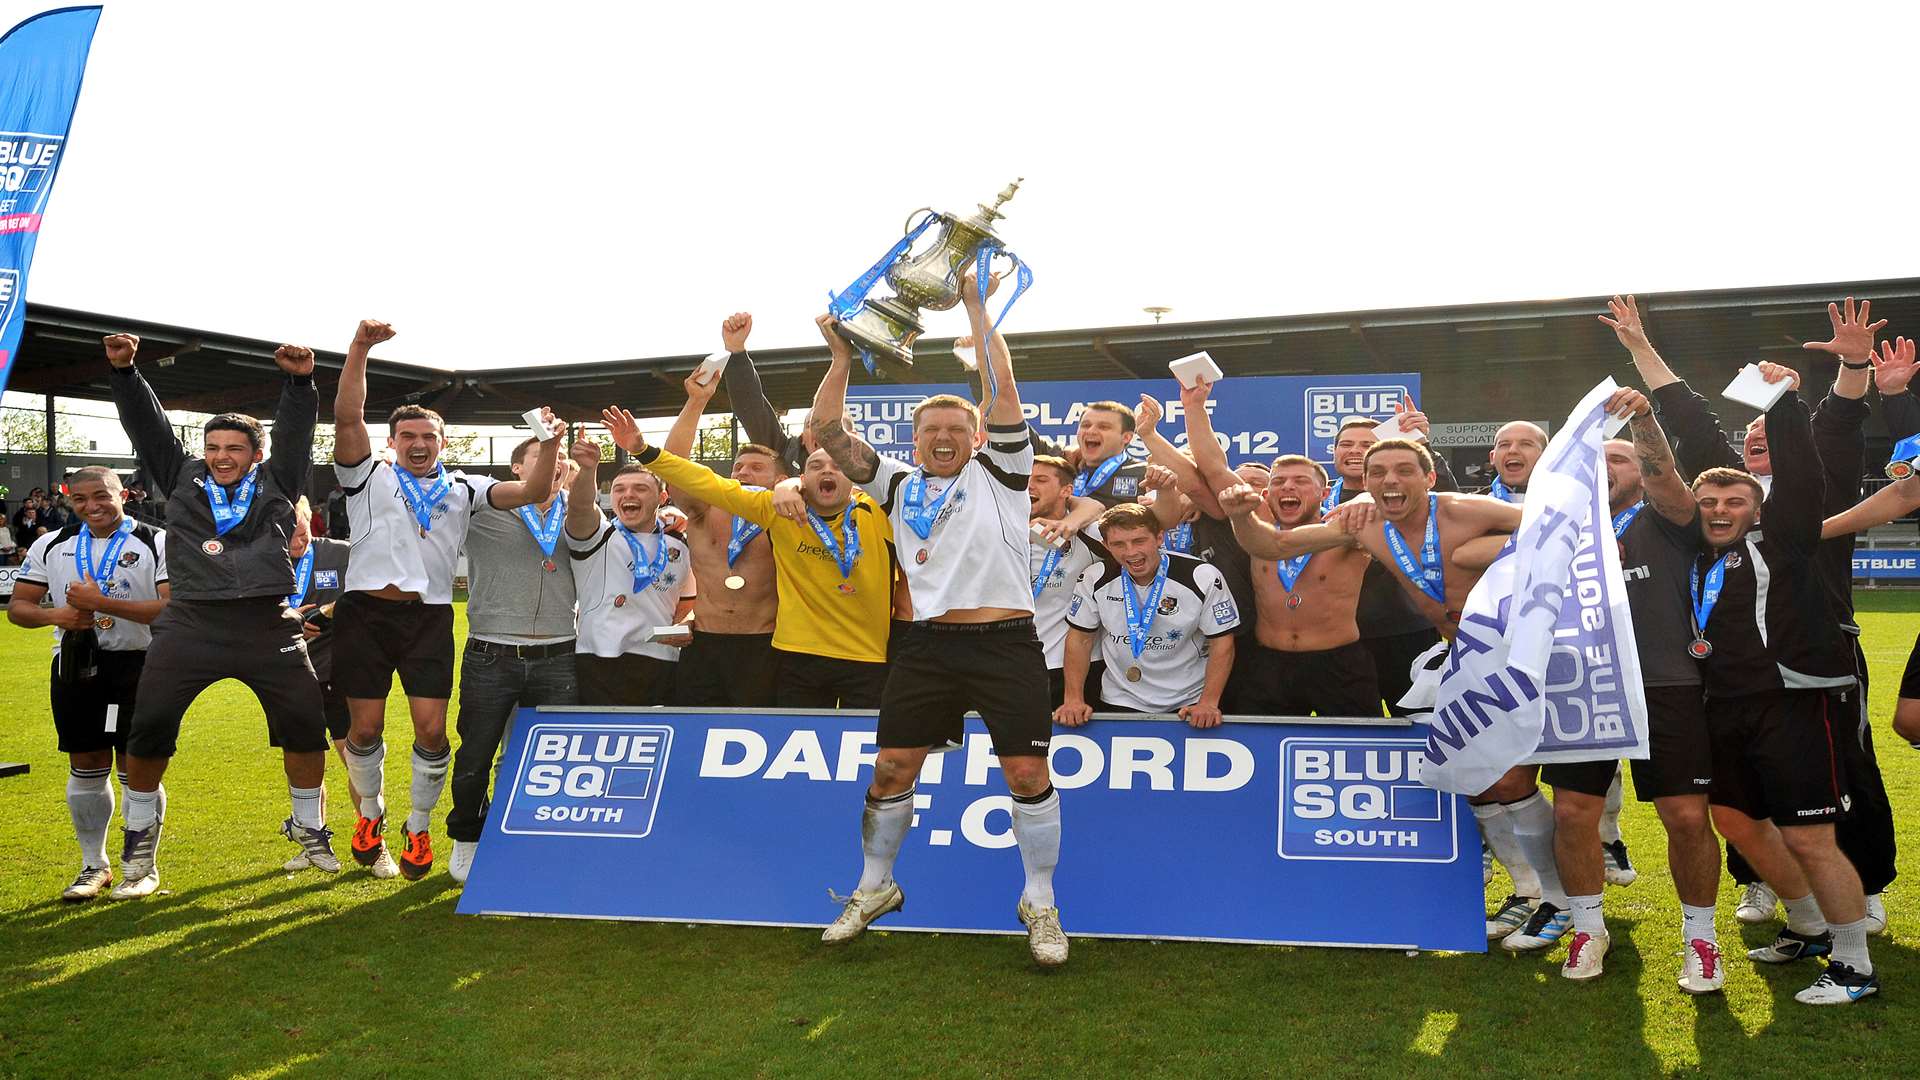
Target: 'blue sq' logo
{"x": 589, "y": 780}
{"x": 1361, "y": 800}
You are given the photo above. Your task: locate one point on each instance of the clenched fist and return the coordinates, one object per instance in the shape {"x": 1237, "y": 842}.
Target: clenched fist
{"x": 734, "y": 331}
{"x": 120, "y": 349}
{"x": 372, "y": 332}
{"x": 295, "y": 360}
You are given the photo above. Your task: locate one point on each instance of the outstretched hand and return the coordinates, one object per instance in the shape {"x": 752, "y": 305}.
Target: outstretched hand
{"x": 624, "y": 429}
{"x": 1852, "y": 333}
{"x": 1626, "y": 323}
{"x": 586, "y": 454}
{"x": 1146, "y": 416}
{"x": 1893, "y": 368}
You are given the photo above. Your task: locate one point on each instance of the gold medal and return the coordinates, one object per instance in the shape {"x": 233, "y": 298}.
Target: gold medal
{"x": 735, "y": 582}
{"x": 1133, "y": 673}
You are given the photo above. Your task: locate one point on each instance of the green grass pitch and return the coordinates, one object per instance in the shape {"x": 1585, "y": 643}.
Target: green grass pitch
{"x": 239, "y": 969}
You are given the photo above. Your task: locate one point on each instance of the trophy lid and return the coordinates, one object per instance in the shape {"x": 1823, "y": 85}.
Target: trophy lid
{"x": 989, "y": 214}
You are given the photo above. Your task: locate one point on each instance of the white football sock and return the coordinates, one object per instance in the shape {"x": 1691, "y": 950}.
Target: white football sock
{"x": 90, "y": 805}
{"x": 429, "y": 780}
{"x": 883, "y": 828}
{"x": 1696, "y": 923}
{"x": 1803, "y": 915}
{"x": 1587, "y": 914}
{"x": 1532, "y": 819}
{"x": 1036, "y": 826}
{"x": 1496, "y": 827}
{"x": 307, "y": 813}
{"x": 368, "y": 767}
{"x": 1850, "y": 945}
{"x": 142, "y": 809}
{"x": 1610, "y": 817}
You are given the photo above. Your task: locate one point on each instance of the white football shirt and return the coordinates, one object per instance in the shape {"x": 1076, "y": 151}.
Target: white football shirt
{"x": 1050, "y": 605}
{"x": 136, "y": 573}
{"x": 387, "y": 546}
{"x": 1194, "y": 607}
{"x": 976, "y": 554}
{"x": 613, "y": 618}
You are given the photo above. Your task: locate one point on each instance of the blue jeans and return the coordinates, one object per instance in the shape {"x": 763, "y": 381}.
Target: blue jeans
{"x": 492, "y": 685}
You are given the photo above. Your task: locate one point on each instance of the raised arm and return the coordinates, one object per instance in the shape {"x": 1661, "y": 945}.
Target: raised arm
{"x": 745, "y": 396}
{"x": 1626, "y": 324}
{"x": 1166, "y": 495}
{"x": 1659, "y": 476}
{"x": 828, "y": 417}
{"x": 1794, "y": 508}
{"x": 1170, "y": 457}
{"x": 1889, "y": 504}
{"x": 351, "y": 444}
{"x": 145, "y": 422}
{"x": 538, "y": 484}
{"x": 1003, "y": 407}
{"x": 583, "y": 509}
{"x": 1216, "y": 474}
{"x": 688, "y": 479}
{"x": 291, "y": 461}
{"x": 1893, "y": 376}
{"x": 686, "y": 431}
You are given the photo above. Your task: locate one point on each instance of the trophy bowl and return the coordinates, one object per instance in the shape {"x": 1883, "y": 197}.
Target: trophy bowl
{"x": 885, "y": 329}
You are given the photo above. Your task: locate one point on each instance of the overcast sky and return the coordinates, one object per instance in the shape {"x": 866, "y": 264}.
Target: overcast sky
{"x": 577, "y": 182}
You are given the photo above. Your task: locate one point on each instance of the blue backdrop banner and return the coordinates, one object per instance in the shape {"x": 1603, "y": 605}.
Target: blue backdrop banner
{"x": 1257, "y": 418}
{"x": 1307, "y": 833}
{"x": 41, "y": 64}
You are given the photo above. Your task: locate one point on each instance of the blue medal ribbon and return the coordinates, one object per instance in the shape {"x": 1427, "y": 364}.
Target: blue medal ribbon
{"x": 1290, "y": 569}
{"x": 1179, "y": 538}
{"x": 1023, "y": 279}
{"x": 845, "y": 304}
{"x": 1097, "y": 479}
{"x": 1499, "y": 490}
{"x": 1139, "y": 621}
{"x": 546, "y": 531}
{"x": 83, "y": 553}
{"x": 231, "y": 511}
{"x": 422, "y": 502}
{"x": 1625, "y": 518}
{"x": 913, "y": 497}
{"x": 1332, "y": 500}
{"x": 645, "y": 571}
{"x": 1047, "y": 566}
{"x": 1704, "y": 600}
{"x": 843, "y": 557}
{"x": 302, "y": 577}
{"x": 1428, "y": 573}
{"x": 743, "y": 530}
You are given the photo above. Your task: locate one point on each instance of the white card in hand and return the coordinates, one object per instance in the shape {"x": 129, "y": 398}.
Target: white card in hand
{"x": 965, "y": 355}
{"x": 1191, "y": 369}
{"x": 1749, "y": 388}
{"x": 713, "y": 365}
{"x": 537, "y": 425}
{"x": 660, "y": 632}
{"x": 1391, "y": 429}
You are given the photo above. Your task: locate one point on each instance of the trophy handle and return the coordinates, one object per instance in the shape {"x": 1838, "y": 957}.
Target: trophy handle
{"x": 908, "y": 227}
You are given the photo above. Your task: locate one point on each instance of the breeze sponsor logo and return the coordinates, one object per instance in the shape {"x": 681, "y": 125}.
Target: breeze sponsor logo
{"x": 589, "y": 780}
{"x": 1361, "y": 800}
{"x": 1328, "y": 405}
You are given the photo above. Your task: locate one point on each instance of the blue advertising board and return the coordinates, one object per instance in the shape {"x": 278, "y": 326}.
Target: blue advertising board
{"x": 1256, "y": 419}
{"x": 1883, "y": 564}
{"x": 1310, "y": 832}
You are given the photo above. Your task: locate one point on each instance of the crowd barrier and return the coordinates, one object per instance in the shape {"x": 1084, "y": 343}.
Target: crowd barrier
{"x": 1263, "y": 830}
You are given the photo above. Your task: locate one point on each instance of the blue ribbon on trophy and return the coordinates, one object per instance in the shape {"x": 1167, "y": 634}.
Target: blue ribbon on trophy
{"x": 982, "y": 270}
{"x": 846, "y": 303}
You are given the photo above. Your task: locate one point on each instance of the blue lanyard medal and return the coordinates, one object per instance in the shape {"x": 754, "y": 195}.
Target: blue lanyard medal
{"x": 1905, "y": 459}
{"x": 302, "y": 577}
{"x": 1289, "y": 571}
{"x": 84, "y": 565}
{"x": 915, "y": 511}
{"x": 422, "y": 502}
{"x": 546, "y": 530}
{"x": 843, "y": 557}
{"x": 1179, "y": 538}
{"x": 1703, "y": 602}
{"x": 645, "y": 571}
{"x": 1428, "y": 574}
{"x": 743, "y": 533}
{"x": 1625, "y": 518}
{"x": 229, "y": 511}
{"x": 1332, "y": 500}
{"x": 1097, "y": 479}
{"x": 1047, "y": 566}
{"x": 1499, "y": 490}
{"x": 1140, "y": 616}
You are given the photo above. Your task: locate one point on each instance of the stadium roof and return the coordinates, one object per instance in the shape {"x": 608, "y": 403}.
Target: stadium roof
{"x": 1479, "y": 361}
